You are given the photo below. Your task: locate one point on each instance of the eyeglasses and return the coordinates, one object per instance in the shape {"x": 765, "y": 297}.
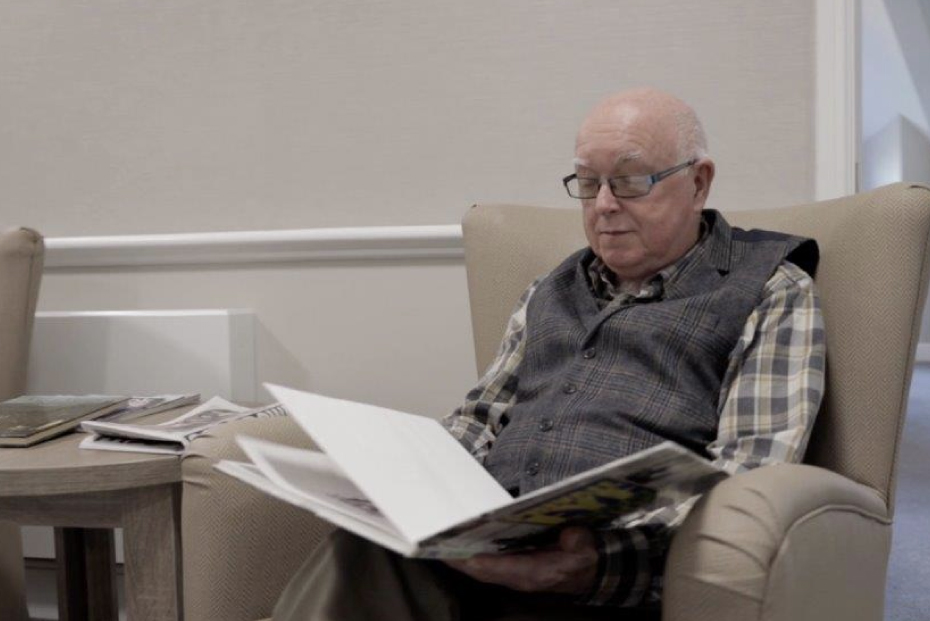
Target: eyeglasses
{"x": 627, "y": 186}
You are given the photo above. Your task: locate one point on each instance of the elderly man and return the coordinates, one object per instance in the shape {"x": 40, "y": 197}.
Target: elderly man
{"x": 671, "y": 325}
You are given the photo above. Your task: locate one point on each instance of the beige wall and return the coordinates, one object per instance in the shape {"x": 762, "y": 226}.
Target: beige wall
{"x": 397, "y": 333}
{"x": 143, "y": 117}
{"x": 139, "y": 116}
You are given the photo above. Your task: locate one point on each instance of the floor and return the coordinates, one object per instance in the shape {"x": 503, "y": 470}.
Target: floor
{"x": 908, "y": 592}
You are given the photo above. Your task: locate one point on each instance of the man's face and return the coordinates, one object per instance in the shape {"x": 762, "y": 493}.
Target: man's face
{"x": 637, "y": 237}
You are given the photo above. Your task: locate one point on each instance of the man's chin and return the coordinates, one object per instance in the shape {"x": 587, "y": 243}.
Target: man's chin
{"x": 622, "y": 264}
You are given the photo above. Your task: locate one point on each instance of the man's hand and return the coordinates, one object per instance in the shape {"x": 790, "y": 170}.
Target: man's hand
{"x": 570, "y": 567}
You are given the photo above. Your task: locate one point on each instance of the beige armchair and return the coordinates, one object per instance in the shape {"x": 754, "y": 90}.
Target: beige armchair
{"x": 790, "y": 542}
{"x": 21, "y": 254}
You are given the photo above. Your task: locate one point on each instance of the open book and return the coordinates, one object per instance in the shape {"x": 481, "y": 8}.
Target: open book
{"x": 405, "y": 483}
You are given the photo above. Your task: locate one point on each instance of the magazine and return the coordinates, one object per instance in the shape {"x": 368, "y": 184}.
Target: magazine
{"x": 172, "y": 437}
{"x": 30, "y": 419}
{"x": 137, "y": 407}
{"x": 405, "y": 483}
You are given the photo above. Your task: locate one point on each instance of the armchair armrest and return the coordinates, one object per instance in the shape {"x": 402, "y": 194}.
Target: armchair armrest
{"x": 786, "y": 542}
{"x": 239, "y": 546}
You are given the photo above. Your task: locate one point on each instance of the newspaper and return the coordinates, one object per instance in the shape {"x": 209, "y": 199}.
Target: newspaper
{"x": 404, "y": 482}
{"x": 172, "y": 437}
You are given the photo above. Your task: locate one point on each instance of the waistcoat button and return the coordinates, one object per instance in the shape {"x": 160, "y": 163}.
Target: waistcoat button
{"x": 533, "y": 469}
{"x": 569, "y": 388}
{"x": 545, "y": 424}
{"x": 589, "y": 353}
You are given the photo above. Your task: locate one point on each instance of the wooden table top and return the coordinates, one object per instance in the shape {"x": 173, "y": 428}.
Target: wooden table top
{"x": 59, "y": 466}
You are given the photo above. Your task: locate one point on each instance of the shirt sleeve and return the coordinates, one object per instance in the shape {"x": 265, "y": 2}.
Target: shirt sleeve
{"x": 769, "y": 398}
{"x": 476, "y": 423}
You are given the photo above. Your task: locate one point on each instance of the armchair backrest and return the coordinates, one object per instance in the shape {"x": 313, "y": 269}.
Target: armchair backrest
{"x": 21, "y": 257}
{"x": 872, "y": 280}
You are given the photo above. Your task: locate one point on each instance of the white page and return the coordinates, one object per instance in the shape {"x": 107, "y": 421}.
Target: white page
{"x": 248, "y": 473}
{"x": 313, "y": 475}
{"x": 409, "y": 466}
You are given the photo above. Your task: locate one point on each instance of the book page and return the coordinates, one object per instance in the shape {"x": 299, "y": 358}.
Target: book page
{"x": 409, "y": 466}
{"x": 250, "y": 474}
{"x": 313, "y": 475}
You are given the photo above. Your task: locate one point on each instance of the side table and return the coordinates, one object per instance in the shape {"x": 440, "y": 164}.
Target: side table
{"x": 84, "y": 495}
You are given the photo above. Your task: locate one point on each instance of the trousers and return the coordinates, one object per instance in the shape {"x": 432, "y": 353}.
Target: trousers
{"x": 350, "y": 579}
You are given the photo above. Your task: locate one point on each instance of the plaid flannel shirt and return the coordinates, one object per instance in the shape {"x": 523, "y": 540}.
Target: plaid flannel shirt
{"x": 769, "y": 397}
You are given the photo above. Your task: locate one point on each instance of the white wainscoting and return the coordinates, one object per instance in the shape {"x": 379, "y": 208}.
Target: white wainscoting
{"x": 211, "y": 352}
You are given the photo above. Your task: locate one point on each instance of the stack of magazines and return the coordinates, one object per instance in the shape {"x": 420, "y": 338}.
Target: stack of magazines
{"x": 172, "y": 437}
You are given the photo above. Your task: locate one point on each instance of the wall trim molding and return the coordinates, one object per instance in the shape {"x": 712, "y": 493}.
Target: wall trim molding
{"x": 224, "y": 248}
{"x": 836, "y": 100}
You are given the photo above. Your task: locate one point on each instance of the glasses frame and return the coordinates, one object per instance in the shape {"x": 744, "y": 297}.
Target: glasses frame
{"x": 651, "y": 179}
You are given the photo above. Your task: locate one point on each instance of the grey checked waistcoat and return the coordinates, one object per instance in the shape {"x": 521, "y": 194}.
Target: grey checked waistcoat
{"x": 597, "y": 384}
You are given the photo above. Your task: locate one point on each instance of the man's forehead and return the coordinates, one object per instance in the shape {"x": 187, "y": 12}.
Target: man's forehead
{"x": 620, "y": 160}
{"x": 626, "y": 130}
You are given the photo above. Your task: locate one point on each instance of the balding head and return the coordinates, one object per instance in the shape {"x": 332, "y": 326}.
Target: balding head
{"x": 676, "y": 127}
{"x": 652, "y": 144}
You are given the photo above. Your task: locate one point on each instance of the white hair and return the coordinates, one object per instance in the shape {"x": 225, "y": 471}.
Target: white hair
{"x": 692, "y": 142}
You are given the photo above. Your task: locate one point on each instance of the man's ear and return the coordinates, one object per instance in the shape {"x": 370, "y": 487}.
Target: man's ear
{"x": 703, "y": 178}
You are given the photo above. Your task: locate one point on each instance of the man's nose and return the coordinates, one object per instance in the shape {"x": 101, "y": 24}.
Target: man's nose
{"x": 605, "y": 200}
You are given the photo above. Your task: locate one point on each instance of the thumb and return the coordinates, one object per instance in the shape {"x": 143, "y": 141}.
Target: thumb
{"x": 576, "y": 539}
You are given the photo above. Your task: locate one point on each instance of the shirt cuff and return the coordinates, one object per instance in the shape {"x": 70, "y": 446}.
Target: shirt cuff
{"x": 626, "y": 568}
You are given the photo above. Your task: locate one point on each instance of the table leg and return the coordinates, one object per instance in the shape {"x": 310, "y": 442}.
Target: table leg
{"x": 86, "y": 574}
{"x": 152, "y": 553}
{"x": 12, "y": 574}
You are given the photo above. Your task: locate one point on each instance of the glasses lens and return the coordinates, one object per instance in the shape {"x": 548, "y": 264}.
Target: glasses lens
{"x": 583, "y": 188}
{"x": 630, "y": 187}
{"x": 622, "y": 187}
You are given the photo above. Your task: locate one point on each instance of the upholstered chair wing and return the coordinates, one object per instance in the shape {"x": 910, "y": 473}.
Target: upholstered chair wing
{"x": 21, "y": 256}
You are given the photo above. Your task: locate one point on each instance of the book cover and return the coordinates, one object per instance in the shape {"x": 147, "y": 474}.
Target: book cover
{"x": 31, "y": 418}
